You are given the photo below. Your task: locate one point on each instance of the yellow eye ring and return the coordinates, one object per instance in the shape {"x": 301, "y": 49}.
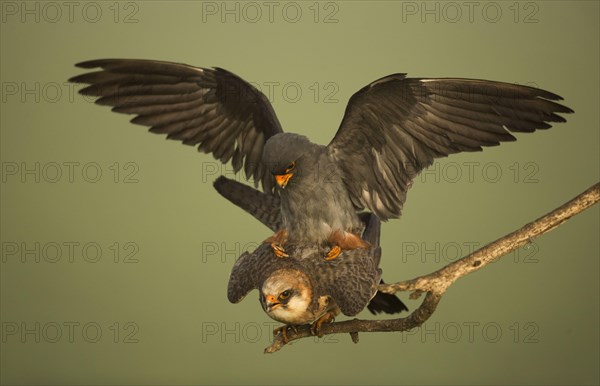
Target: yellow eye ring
{"x": 285, "y": 294}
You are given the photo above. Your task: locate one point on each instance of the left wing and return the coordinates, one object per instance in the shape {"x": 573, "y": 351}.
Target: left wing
{"x": 396, "y": 126}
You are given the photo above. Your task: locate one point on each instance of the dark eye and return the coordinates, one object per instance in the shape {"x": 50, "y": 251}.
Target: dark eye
{"x": 285, "y": 294}
{"x": 290, "y": 167}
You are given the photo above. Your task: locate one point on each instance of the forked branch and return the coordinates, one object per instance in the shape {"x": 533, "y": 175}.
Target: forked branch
{"x": 435, "y": 284}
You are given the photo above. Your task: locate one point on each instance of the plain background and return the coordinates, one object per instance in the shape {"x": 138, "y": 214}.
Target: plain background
{"x": 159, "y": 314}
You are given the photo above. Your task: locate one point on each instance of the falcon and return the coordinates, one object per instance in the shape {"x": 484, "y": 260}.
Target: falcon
{"x": 392, "y": 129}
{"x": 305, "y": 288}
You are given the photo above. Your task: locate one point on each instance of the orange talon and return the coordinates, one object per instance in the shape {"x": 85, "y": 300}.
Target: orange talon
{"x": 315, "y": 327}
{"x": 347, "y": 240}
{"x": 277, "y": 241}
{"x": 333, "y": 253}
{"x": 279, "y": 251}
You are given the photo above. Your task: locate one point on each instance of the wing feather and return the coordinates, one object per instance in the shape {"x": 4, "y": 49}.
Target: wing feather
{"x": 212, "y": 108}
{"x": 396, "y": 126}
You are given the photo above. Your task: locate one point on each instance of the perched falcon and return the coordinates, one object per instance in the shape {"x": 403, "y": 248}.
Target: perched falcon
{"x": 265, "y": 208}
{"x": 305, "y": 288}
{"x": 391, "y": 130}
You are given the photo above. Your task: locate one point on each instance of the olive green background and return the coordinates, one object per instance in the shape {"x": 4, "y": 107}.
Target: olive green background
{"x": 531, "y": 318}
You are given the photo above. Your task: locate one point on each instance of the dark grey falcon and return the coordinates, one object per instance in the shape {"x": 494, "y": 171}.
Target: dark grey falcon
{"x": 392, "y": 129}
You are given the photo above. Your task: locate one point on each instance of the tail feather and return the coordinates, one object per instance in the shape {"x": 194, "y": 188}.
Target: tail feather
{"x": 264, "y": 207}
{"x": 388, "y": 303}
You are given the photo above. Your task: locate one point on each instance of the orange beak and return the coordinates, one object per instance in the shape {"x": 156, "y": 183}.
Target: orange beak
{"x": 283, "y": 179}
{"x": 272, "y": 302}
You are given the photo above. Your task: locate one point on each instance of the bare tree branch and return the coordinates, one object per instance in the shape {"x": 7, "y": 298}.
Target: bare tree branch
{"x": 435, "y": 284}
{"x": 440, "y": 280}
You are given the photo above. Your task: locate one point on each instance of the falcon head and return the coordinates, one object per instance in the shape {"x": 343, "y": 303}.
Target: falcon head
{"x": 283, "y": 154}
{"x": 286, "y": 295}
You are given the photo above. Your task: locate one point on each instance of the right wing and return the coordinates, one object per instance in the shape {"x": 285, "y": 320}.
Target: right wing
{"x": 212, "y": 108}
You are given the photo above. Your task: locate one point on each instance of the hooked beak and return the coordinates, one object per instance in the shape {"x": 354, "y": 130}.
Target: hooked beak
{"x": 272, "y": 303}
{"x": 283, "y": 179}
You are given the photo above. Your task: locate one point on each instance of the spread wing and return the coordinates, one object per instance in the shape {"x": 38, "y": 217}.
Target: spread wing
{"x": 212, "y": 108}
{"x": 396, "y": 126}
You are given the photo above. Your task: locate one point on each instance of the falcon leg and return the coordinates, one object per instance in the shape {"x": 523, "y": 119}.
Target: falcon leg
{"x": 283, "y": 331}
{"x": 341, "y": 240}
{"x": 328, "y": 317}
{"x": 277, "y": 241}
